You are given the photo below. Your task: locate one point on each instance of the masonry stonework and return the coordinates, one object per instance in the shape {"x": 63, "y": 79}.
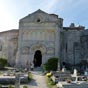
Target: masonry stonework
{"x": 44, "y": 32}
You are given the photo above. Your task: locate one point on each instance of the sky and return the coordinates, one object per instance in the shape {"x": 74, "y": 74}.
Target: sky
{"x": 72, "y": 11}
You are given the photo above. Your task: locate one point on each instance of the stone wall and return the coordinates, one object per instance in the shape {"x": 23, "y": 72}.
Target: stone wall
{"x": 44, "y": 32}
{"x": 71, "y": 45}
{"x": 8, "y": 45}
{"x": 38, "y": 31}
{"x": 84, "y": 45}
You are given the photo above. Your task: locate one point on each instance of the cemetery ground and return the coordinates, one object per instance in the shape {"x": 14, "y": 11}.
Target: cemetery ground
{"x": 10, "y": 78}
{"x": 46, "y": 76}
{"x": 22, "y": 78}
{"x": 64, "y": 78}
{"x": 48, "y": 80}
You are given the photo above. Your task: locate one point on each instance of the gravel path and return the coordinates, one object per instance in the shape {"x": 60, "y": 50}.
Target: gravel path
{"x": 38, "y": 80}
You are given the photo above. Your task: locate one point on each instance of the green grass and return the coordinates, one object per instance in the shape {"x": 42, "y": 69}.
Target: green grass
{"x": 50, "y": 83}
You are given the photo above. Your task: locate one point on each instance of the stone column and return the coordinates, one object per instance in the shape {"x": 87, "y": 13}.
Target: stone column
{"x": 57, "y": 45}
{"x": 57, "y": 42}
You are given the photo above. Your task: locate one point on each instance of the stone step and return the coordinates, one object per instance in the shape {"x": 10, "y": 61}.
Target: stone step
{"x": 38, "y": 69}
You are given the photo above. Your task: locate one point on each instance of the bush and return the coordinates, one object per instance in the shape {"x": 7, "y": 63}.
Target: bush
{"x": 29, "y": 76}
{"x": 48, "y": 74}
{"x": 50, "y": 82}
{"x": 10, "y": 86}
{"x": 3, "y": 62}
{"x": 51, "y": 64}
{"x": 25, "y": 87}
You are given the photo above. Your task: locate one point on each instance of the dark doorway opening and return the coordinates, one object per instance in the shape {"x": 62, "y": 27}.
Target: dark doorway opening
{"x": 37, "y": 58}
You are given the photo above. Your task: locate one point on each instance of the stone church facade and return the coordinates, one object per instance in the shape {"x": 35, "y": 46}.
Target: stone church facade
{"x": 44, "y": 33}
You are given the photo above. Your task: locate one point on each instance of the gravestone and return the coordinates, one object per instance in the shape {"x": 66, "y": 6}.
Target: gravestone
{"x": 63, "y": 69}
{"x": 75, "y": 72}
{"x": 60, "y": 76}
{"x": 86, "y": 72}
{"x": 17, "y": 81}
{"x": 75, "y": 75}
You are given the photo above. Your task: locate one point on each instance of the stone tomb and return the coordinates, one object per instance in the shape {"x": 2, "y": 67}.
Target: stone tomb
{"x": 61, "y": 76}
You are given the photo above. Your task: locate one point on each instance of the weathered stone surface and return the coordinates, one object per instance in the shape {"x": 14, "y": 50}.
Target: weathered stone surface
{"x": 44, "y": 32}
{"x": 38, "y": 31}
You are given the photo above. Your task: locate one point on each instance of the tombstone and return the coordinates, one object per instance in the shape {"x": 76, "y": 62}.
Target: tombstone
{"x": 58, "y": 67}
{"x": 32, "y": 66}
{"x": 86, "y": 72}
{"x": 17, "y": 81}
{"x": 75, "y": 75}
{"x": 75, "y": 72}
{"x": 63, "y": 69}
{"x": 27, "y": 65}
{"x": 59, "y": 85}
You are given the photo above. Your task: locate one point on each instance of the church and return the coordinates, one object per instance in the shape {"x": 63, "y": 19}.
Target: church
{"x": 41, "y": 36}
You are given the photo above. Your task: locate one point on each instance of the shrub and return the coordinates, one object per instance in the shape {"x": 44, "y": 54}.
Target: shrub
{"x": 29, "y": 76}
{"x": 48, "y": 74}
{"x": 25, "y": 87}
{"x": 50, "y": 82}
{"x": 51, "y": 64}
{"x": 3, "y": 62}
{"x": 10, "y": 86}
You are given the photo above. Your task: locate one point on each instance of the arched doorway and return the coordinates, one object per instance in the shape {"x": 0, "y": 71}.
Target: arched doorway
{"x": 37, "y": 58}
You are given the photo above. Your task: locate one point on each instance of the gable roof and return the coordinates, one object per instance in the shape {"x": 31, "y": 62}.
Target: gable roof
{"x": 39, "y": 14}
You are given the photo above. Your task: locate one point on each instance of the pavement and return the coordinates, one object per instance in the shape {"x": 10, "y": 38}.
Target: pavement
{"x": 38, "y": 80}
